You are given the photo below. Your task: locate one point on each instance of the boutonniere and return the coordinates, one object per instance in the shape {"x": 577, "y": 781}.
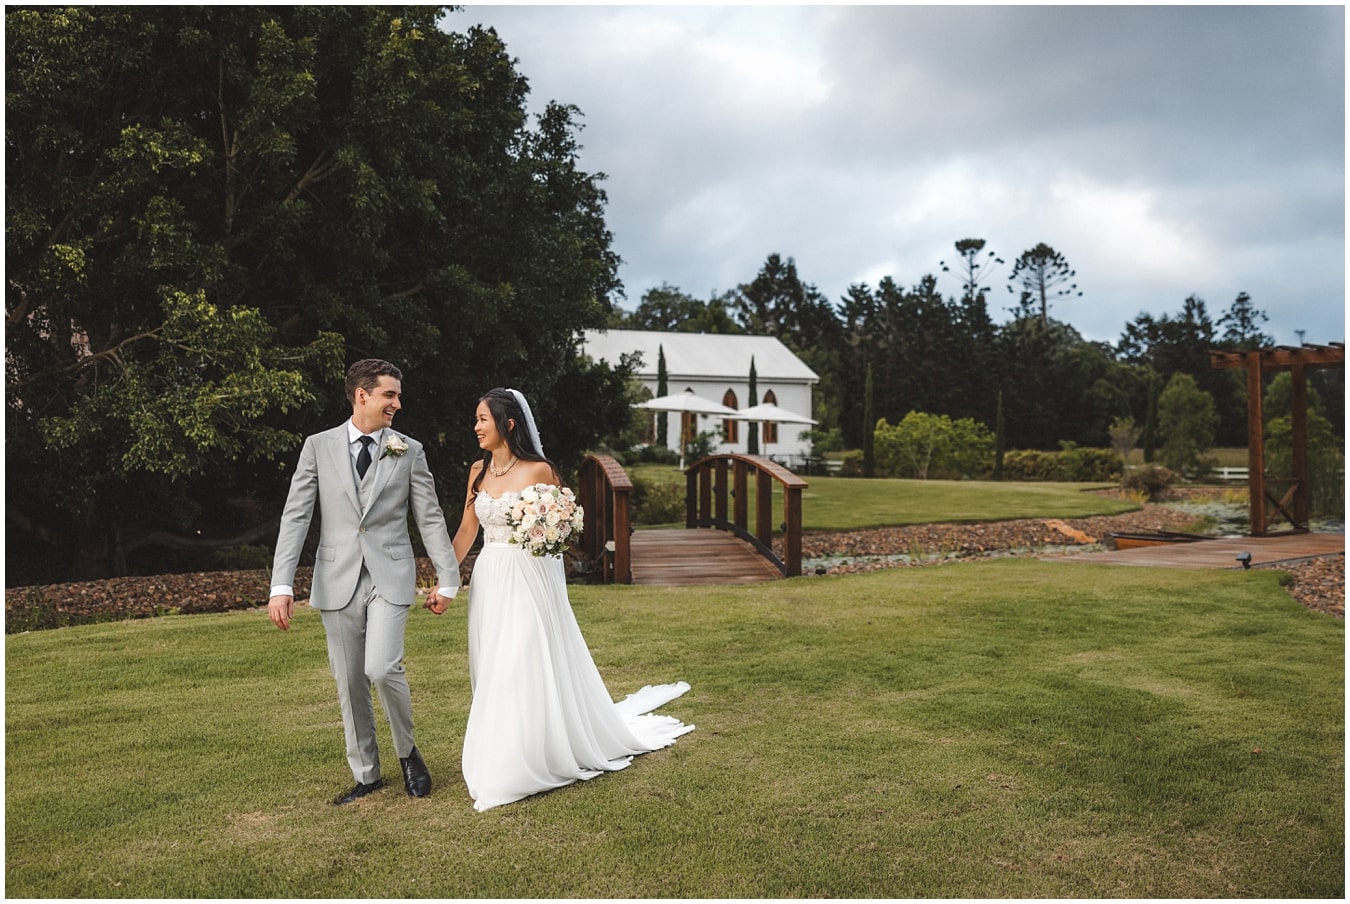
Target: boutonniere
{"x": 394, "y": 446}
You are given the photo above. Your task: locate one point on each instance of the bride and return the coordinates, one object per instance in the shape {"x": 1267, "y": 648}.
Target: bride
{"x": 541, "y": 716}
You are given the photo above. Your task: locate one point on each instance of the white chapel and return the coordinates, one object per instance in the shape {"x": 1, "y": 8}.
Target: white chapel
{"x": 716, "y": 366}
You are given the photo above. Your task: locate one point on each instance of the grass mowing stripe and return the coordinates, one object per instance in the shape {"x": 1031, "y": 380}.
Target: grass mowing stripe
{"x": 1007, "y": 728}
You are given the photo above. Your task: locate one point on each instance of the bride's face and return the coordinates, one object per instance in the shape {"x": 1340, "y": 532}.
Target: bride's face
{"x": 485, "y": 428}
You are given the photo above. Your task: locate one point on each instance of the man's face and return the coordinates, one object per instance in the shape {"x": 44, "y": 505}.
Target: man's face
{"x": 375, "y": 409}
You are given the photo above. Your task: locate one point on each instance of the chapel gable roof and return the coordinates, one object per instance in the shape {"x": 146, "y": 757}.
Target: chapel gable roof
{"x": 715, "y": 356}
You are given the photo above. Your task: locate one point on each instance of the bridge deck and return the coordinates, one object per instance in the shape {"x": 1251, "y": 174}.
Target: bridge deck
{"x": 680, "y": 557}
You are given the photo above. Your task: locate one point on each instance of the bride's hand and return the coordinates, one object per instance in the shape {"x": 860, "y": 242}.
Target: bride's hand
{"x": 436, "y": 603}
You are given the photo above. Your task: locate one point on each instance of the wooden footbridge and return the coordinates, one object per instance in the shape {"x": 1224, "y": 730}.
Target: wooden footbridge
{"x": 718, "y": 544}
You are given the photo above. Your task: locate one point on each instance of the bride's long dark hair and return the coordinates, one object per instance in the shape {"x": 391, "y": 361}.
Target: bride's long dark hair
{"x": 504, "y": 408}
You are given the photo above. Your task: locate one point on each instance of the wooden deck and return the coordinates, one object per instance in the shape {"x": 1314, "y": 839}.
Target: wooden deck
{"x": 1220, "y": 553}
{"x": 681, "y": 557}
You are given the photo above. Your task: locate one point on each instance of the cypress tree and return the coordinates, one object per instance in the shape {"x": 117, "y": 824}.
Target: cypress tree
{"x": 752, "y": 427}
{"x": 998, "y": 438}
{"x": 661, "y": 389}
{"x": 1150, "y": 438}
{"x": 869, "y": 426}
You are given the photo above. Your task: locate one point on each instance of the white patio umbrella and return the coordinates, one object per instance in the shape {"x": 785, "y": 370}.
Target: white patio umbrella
{"x": 688, "y": 402}
{"x": 771, "y": 412}
{"x": 768, "y": 412}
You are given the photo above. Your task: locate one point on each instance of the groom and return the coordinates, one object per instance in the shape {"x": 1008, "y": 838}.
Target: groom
{"x": 365, "y": 478}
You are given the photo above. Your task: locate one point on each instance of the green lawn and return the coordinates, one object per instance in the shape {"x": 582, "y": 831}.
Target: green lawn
{"x": 844, "y": 503}
{"x": 1008, "y": 728}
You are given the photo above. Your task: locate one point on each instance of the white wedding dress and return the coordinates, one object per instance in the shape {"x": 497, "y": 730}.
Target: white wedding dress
{"x": 541, "y": 716}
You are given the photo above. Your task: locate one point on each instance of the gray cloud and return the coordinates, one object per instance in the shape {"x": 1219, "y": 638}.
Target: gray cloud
{"x": 1164, "y": 151}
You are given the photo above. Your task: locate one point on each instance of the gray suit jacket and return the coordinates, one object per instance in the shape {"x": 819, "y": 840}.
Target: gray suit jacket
{"x": 349, "y": 536}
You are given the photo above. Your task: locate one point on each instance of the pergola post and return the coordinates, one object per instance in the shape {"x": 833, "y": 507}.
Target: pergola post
{"x": 1256, "y": 448}
{"x": 1272, "y": 360}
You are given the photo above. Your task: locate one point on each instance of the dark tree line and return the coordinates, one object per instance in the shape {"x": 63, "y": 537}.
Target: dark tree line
{"x": 212, "y": 211}
{"x": 945, "y": 355}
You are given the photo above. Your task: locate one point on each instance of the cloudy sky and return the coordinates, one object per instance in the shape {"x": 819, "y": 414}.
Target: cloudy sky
{"x": 1164, "y": 152}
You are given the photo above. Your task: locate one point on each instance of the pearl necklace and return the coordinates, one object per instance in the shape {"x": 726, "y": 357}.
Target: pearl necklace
{"x": 500, "y": 472}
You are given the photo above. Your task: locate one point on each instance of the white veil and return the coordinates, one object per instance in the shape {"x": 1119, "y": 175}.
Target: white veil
{"x": 529, "y": 421}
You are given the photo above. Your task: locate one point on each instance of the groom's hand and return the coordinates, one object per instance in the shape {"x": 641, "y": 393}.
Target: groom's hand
{"x": 437, "y": 603}
{"x": 280, "y": 609}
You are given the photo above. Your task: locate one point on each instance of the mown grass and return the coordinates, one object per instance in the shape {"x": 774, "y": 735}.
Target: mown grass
{"x": 1007, "y": 728}
{"x": 843, "y": 503}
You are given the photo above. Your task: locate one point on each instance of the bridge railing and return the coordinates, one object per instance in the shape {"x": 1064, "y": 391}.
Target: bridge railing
{"x": 721, "y": 482}
{"x": 603, "y": 492}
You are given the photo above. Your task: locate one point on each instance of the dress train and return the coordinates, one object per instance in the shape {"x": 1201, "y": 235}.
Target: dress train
{"x": 541, "y": 716}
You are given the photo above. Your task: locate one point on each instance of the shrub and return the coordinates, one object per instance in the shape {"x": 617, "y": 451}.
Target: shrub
{"x": 701, "y": 446}
{"x": 1187, "y": 419}
{"x": 651, "y": 453}
{"x": 1087, "y": 464}
{"x": 1030, "y": 464}
{"x": 1326, "y": 461}
{"x": 933, "y": 445}
{"x": 822, "y": 441}
{"x": 852, "y": 464}
{"x": 1071, "y": 463}
{"x": 1151, "y": 480}
{"x": 656, "y": 502}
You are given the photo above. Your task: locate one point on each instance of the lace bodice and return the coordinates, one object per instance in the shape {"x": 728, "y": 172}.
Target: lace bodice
{"x": 492, "y": 516}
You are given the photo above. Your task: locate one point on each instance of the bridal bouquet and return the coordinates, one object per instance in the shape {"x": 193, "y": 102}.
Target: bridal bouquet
{"x": 544, "y": 519}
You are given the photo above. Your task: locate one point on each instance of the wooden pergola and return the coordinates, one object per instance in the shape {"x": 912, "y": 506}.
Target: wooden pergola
{"x": 1294, "y": 505}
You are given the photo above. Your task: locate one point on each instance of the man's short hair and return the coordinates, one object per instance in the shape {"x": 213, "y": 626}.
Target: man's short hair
{"x": 365, "y": 374}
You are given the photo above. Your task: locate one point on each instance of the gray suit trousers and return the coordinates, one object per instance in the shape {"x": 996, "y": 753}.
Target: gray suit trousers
{"x": 365, "y": 648}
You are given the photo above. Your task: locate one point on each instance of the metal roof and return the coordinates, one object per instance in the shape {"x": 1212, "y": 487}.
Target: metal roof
{"x": 717, "y": 356}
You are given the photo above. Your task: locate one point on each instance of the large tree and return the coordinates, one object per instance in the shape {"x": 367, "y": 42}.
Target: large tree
{"x": 667, "y": 309}
{"x": 1242, "y": 325}
{"x": 1180, "y": 343}
{"x": 212, "y": 210}
{"x": 777, "y": 302}
{"x": 970, "y": 268}
{"x": 862, "y": 342}
{"x": 1043, "y": 275}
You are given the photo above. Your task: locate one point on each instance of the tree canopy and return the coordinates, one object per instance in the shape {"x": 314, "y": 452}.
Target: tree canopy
{"x": 213, "y": 210}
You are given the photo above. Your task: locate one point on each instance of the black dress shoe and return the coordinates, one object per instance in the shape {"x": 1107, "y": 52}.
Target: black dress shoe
{"x": 360, "y": 791}
{"x": 416, "y": 778}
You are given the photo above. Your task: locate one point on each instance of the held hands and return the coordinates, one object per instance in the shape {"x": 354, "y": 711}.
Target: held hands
{"x": 281, "y": 609}
{"x": 437, "y": 602}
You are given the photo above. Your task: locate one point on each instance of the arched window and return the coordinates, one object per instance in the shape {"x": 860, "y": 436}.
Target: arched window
{"x": 770, "y": 427}
{"x": 731, "y": 429}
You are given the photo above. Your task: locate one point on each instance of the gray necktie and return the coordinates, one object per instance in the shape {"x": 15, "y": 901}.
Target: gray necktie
{"x": 363, "y": 457}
